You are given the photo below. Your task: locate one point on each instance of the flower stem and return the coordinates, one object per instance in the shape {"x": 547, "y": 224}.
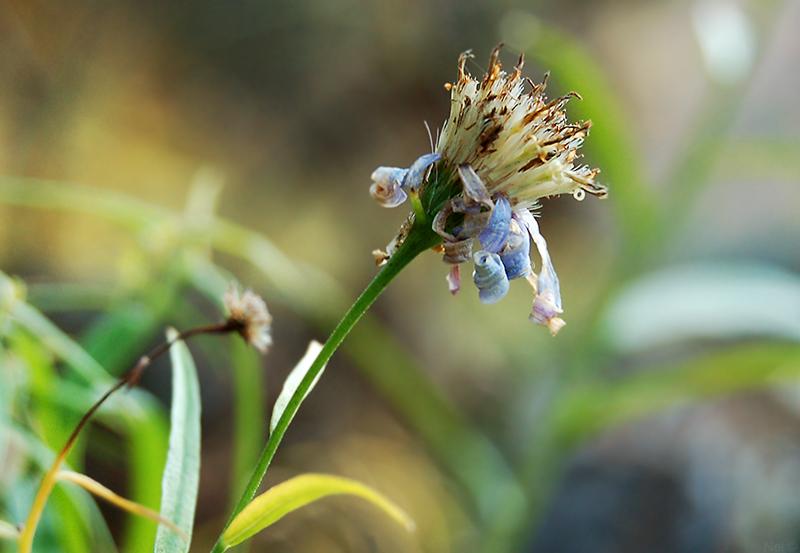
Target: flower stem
{"x": 419, "y": 239}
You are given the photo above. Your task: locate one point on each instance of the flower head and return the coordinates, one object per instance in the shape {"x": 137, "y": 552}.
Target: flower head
{"x": 249, "y": 316}
{"x": 521, "y": 145}
{"x": 499, "y": 152}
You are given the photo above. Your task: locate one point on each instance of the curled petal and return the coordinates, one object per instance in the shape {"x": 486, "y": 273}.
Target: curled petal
{"x": 490, "y": 277}
{"x": 493, "y": 238}
{"x": 416, "y": 173}
{"x": 474, "y": 189}
{"x": 454, "y": 279}
{"x": 457, "y": 251}
{"x": 386, "y": 187}
{"x": 516, "y": 255}
{"x": 476, "y": 205}
{"x": 440, "y": 221}
{"x": 472, "y": 225}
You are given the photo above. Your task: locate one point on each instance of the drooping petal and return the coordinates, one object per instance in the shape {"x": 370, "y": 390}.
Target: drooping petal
{"x": 548, "y": 280}
{"x": 454, "y": 279}
{"x": 516, "y": 254}
{"x": 494, "y": 236}
{"x": 386, "y": 187}
{"x": 490, "y": 277}
{"x": 416, "y": 173}
{"x": 547, "y": 303}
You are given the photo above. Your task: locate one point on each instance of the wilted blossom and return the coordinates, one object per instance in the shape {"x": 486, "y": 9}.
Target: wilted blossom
{"x": 508, "y": 147}
{"x": 249, "y": 316}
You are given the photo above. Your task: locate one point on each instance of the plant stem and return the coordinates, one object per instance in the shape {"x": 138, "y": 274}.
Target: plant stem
{"x": 419, "y": 239}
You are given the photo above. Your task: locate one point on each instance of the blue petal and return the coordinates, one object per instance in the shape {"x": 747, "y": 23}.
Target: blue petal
{"x": 516, "y": 255}
{"x": 490, "y": 277}
{"x": 494, "y": 236}
{"x": 413, "y": 179}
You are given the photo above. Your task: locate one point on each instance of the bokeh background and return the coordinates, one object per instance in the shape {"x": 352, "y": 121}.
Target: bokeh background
{"x": 664, "y": 417}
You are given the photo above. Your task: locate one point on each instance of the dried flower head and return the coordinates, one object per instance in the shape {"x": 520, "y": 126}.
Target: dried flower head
{"x": 504, "y": 149}
{"x": 521, "y": 145}
{"x": 248, "y": 315}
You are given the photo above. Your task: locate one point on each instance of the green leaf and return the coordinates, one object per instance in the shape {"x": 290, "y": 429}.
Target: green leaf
{"x": 182, "y": 471}
{"x": 293, "y": 381}
{"x": 289, "y": 496}
{"x": 705, "y": 301}
{"x": 585, "y": 411}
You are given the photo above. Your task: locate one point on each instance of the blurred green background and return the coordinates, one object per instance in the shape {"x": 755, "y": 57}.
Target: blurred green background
{"x": 152, "y": 150}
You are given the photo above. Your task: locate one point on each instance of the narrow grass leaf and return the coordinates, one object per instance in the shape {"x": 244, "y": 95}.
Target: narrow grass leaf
{"x": 293, "y": 381}
{"x": 96, "y": 488}
{"x": 182, "y": 471}
{"x": 293, "y": 494}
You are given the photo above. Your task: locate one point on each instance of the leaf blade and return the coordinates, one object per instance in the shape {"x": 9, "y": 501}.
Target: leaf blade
{"x": 293, "y": 381}
{"x": 182, "y": 471}
{"x": 297, "y": 492}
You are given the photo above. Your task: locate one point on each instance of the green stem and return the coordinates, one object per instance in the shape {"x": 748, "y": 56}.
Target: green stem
{"x": 419, "y": 239}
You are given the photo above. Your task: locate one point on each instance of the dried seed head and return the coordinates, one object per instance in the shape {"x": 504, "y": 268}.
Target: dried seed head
{"x": 248, "y": 314}
{"x": 521, "y": 145}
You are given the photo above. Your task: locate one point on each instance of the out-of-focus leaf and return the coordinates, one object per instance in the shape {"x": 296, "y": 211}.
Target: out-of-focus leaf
{"x": 106, "y": 204}
{"x": 71, "y": 513}
{"x": 8, "y": 389}
{"x": 586, "y": 411}
{"x": 249, "y": 433}
{"x": 147, "y": 436}
{"x": 182, "y": 471}
{"x": 8, "y": 531}
{"x": 143, "y": 421}
{"x": 55, "y": 419}
{"x": 293, "y": 381}
{"x": 293, "y": 494}
{"x": 61, "y": 344}
{"x": 72, "y": 296}
{"x": 74, "y": 522}
{"x": 705, "y": 301}
{"x": 120, "y": 334}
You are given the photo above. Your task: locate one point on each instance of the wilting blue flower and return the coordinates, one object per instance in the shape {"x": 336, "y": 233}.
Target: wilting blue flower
{"x": 390, "y": 183}
{"x": 509, "y": 148}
